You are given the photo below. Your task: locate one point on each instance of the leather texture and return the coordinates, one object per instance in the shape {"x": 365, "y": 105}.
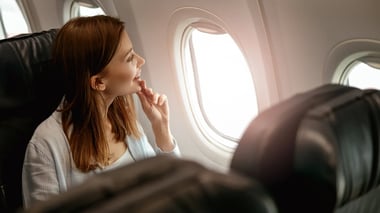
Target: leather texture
{"x": 30, "y": 90}
{"x": 162, "y": 184}
{"x": 317, "y": 151}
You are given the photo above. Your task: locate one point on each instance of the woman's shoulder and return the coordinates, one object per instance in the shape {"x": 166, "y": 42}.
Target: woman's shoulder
{"x": 49, "y": 126}
{"x": 49, "y": 132}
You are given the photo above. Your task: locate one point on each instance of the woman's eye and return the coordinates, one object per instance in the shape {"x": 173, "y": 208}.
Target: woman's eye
{"x": 130, "y": 58}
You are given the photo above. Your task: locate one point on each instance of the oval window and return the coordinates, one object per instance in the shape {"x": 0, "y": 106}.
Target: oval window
{"x": 219, "y": 83}
{"x": 85, "y": 8}
{"x": 12, "y": 20}
{"x": 363, "y": 73}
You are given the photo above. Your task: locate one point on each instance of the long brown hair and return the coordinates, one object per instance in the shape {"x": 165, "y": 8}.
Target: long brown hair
{"x": 83, "y": 48}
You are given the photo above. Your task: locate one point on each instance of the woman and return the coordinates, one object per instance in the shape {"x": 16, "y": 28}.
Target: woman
{"x": 94, "y": 129}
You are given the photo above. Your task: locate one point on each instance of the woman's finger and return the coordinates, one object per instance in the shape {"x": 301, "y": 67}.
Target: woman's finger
{"x": 148, "y": 92}
{"x": 155, "y": 98}
{"x": 161, "y": 100}
{"x": 144, "y": 101}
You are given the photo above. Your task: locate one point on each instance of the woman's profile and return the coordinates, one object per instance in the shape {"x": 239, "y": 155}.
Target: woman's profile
{"x": 95, "y": 127}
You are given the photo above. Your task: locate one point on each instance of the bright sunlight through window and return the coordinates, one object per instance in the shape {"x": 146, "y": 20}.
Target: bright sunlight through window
{"x": 85, "y": 9}
{"x": 363, "y": 76}
{"x": 12, "y": 21}
{"x": 224, "y": 92}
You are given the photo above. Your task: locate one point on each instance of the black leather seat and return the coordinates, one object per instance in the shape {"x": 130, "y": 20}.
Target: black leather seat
{"x": 30, "y": 90}
{"x": 162, "y": 184}
{"x": 317, "y": 151}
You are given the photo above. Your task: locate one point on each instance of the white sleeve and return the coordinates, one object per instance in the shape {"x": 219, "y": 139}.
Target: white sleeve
{"x": 157, "y": 150}
{"x": 174, "y": 152}
{"x": 39, "y": 178}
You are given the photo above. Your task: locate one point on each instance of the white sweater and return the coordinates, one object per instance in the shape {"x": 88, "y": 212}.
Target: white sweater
{"x": 48, "y": 165}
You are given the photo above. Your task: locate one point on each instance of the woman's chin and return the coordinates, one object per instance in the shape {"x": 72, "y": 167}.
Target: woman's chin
{"x": 130, "y": 91}
{"x": 138, "y": 89}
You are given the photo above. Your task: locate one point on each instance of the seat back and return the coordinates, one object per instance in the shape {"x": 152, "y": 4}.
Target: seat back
{"x": 317, "y": 151}
{"x": 162, "y": 184}
{"x": 30, "y": 90}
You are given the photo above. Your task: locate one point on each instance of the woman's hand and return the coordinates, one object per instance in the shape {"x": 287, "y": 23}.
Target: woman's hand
{"x": 156, "y": 108}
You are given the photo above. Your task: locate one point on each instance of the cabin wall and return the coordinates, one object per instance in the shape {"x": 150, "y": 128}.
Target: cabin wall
{"x": 302, "y": 35}
{"x": 289, "y": 46}
{"x": 39, "y": 18}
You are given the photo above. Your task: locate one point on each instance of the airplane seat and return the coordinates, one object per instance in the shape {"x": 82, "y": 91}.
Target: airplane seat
{"x": 317, "y": 151}
{"x": 161, "y": 184}
{"x": 30, "y": 90}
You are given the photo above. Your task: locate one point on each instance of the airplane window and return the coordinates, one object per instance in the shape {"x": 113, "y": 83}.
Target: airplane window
{"x": 364, "y": 74}
{"x": 12, "y": 20}
{"x": 85, "y": 8}
{"x": 219, "y": 82}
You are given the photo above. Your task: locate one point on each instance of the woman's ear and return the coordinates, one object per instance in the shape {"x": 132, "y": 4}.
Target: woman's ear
{"x": 97, "y": 83}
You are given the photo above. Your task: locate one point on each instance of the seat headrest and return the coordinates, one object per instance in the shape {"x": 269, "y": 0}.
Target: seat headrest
{"x": 343, "y": 135}
{"x": 25, "y": 75}
{"x": 314, "y": 145}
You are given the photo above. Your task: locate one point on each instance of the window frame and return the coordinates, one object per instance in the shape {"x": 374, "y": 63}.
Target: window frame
{"x": 193, "y": 99}
{"x": 372, "y": 60}
{"x": 344, "y": 54}
{"x": 254, "y": 46}
{"x": 3, "y": 29}
{"x": 71, "y": 7}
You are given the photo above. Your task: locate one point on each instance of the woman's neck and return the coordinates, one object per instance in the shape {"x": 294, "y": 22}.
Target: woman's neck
{"x": 104, "y": 102}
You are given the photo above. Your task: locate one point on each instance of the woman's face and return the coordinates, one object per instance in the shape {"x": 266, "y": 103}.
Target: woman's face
{"x": 122, "y": 74}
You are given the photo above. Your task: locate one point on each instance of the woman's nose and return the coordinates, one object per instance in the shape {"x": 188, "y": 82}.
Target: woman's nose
{"x": 140, "y": 60}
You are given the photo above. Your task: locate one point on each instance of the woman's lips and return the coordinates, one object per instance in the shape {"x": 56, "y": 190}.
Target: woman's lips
{"x": 138, "y": 76}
